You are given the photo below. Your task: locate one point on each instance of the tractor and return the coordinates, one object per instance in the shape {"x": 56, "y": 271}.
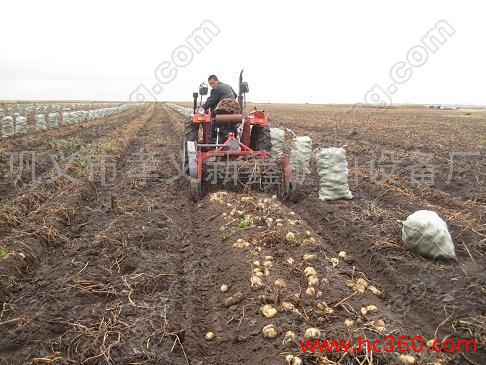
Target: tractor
{"x": 234, "y": 151}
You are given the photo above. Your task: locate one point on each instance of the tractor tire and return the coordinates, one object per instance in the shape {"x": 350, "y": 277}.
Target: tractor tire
{"x": 184, "y": 159}
{"x": 191, "y": 130}
{"x": 260, "y": 139}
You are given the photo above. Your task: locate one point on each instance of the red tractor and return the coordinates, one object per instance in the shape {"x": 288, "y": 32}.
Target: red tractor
{"x": 234, "y": 151}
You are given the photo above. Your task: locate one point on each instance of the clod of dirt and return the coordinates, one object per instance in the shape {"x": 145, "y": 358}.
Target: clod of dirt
{"x": 269, "y": 311}
{"x": 265, "y": 299}
{"x": 234, "y": 299}
{"x": 312, "y": 333}
{"x": 269, "y": 331}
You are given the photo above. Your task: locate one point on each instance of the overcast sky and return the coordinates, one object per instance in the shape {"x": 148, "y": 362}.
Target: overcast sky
{"x": 309, "y": 51}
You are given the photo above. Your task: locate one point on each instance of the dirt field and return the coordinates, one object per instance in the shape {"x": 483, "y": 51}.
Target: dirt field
{"x": 129, "y": 271}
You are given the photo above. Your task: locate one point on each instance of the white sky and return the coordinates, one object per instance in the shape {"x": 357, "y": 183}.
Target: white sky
{"x": 309, "y": 51}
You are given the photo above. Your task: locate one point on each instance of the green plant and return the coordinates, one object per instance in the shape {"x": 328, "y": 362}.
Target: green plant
{"x": 107, "y": 144}
{"x": 3, "y": 254}
{"x": 244, "y": 224}
{"x": 83, "y": 160}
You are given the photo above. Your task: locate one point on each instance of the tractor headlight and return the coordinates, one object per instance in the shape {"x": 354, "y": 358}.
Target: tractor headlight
{"x": 200, "y": 110}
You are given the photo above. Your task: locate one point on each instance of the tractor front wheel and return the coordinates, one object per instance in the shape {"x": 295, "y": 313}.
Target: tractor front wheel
{"x": 184, "y": 159}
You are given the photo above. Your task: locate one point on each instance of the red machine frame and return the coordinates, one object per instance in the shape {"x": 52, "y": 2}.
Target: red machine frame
{"x": 255, "y": 118}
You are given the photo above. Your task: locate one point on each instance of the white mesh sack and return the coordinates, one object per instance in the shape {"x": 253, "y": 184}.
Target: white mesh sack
{"x": 40, "y": 122}
{"x": 53, "y": 119}
{"x": 332, "y": 168}
{"x": 20, "y": 125}
{"x": 65, "y": 118}
{"x": 277, "y": 136}
{"x": 426, "y": 233}
{"x": 7, "y": 127}
{"x": 73, "y": 117}
{"x": 300, "y": 155}
{"x": 180, "y": 109}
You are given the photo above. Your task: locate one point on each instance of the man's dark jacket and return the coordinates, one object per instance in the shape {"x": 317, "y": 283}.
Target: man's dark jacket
{"x": 220, "y": 92}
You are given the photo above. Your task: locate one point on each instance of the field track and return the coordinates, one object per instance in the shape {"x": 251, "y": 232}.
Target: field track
{"x": 130, "y": 271}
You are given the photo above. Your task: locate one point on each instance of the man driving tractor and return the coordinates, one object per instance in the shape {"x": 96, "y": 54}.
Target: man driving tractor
{"x": 222, "y": 100}
{"x": 221, "y": 91}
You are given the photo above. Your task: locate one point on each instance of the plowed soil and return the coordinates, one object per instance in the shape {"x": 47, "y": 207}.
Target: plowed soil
{"x": 114, "y": 266}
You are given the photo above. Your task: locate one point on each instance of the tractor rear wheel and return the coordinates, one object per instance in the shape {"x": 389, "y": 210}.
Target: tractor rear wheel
{"x": 260, "y": 139}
